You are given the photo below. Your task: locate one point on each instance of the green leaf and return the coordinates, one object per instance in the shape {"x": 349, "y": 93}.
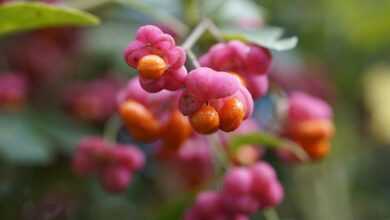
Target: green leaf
{"x": 269, "y": 37}
{"x": 22, "y": 16}
{"x": 64, "y": 131}
{"x": 266, "y": 140}
{"x": 20, "y": 142}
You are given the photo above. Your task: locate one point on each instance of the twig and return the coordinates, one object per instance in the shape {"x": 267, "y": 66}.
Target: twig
{"x": 193, "y": 58}
{"x": 220, "y": 153}
{"x": 195, "y": 34}
{"x": 214, "y": 30}
{"x": 111, "y": 128}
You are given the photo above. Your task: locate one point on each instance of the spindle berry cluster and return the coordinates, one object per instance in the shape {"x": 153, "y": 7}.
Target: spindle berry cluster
{"x": 158, "y": 60}
{"x": 113, "y": 164}
{"x": 245, "y": 190}
{"x": 308, "y": 123}
{"x": 173, "y": 109}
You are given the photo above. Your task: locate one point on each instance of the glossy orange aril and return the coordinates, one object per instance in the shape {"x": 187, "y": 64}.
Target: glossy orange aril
{"x": 151, "y": 66}
{"x": 231, "y": 114}
{"x": 205, "y": 120}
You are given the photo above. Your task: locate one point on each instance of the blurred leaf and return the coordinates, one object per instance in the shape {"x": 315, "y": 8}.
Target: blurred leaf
{"x": 86, "y": 4}
{"x": 29, "y": 15}
{"x": 364, "y": 23}
{"x": 269, "y": 37}
{"x": 377, "y": 94}
{"x": 155, "y": 10}
{"x": 62, "y": 129}
{"x": 266, "y": 140}
{"x": 256, "y": 138}
{"x": 235, "y": 11}
{"x": 20, "y": 142}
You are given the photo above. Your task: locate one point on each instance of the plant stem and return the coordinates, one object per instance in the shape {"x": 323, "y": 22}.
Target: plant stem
{"x": 205, "y": 24}
{"x": 214, "y": 30}
{"x": 111, "y": 128}
{"x": 223, "y": 160}
{"x": 193, "y": 58}
{"x": 195, "y": 35}
{"x": 271, "y": 214}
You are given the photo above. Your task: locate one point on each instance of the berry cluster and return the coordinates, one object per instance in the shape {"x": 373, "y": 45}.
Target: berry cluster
{"x": 308, "y": 123}
{"x": 153, "y": 116}
{"x": 171, "y": 108}
{"x": 215, "y": 100}
{"x": 245, "y": 190}
{"x": 158, "y": 60}
{"x": 193, "y": 161}
{"x": 113, "y": 164}
{"x": 249, "y": 61}
{"x": 212, "y": 99}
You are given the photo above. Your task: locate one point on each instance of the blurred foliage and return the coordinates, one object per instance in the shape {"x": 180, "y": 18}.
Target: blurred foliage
{"x": 25, "y": 16}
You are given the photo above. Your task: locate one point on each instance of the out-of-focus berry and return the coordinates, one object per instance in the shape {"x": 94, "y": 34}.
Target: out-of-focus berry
{"x": 13, "y": 90}
{"x": 176, "y": 130}
{"x": 93, "y": 101}
{"x": 245, "y": 190}
{"x": 153, "y": 116}
{"x": 309, "y": 124}
{"x": 237, "y": 181}
{"x": 113, "y": 164}
{"x": 139, "y": 121}
{"x": 115, "y": 179}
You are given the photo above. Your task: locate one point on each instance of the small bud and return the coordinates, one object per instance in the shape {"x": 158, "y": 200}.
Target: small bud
{"x": 205, "y": 120}
{"x": 151, "y": 66}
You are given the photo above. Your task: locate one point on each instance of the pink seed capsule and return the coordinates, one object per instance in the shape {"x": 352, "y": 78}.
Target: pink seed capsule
{"x": 208, "y": 204}
{"x": 130, "y": 157}
{"x": 262, "y": 174}
{"x": 83, "y": 165}
{"x": 115, "y": 179}
{"x": 273, "y": 195}
{"x": 237, "y": 181}
{"x": 240, "y": 204}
